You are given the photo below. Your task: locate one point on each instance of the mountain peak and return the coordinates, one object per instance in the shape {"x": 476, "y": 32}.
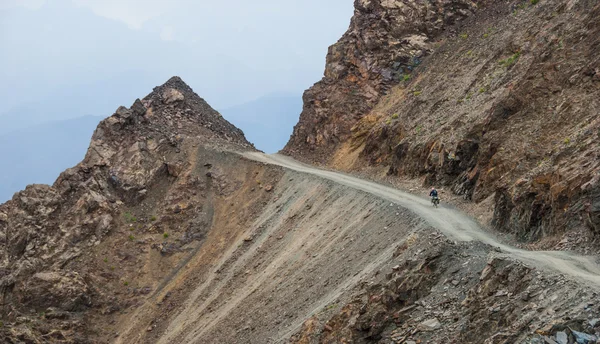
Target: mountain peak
{"x": 175, "y": 82}
{"x": 170, "y": 112}
{"x": 175, "y": 90}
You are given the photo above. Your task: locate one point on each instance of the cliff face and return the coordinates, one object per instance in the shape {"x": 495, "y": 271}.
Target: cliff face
{"x": 495, "y": 100}
{"x": 386, "y": 41}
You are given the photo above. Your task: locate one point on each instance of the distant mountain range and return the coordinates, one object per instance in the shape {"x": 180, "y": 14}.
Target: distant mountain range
{"x": 39, "y": 153}
{"x": 268, "y": 121}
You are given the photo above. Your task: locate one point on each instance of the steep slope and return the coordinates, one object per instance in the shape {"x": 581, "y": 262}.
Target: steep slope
{"x": 496, "y": 100}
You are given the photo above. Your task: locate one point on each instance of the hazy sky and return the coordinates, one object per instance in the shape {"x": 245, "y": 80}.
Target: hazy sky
{"x": 67, "y": 58}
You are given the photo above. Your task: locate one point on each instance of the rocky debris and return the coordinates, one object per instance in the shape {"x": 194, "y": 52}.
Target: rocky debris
{"x": 439, "y": 292}
{"x": 569, "y": 336}
{"x": 584, "y": 338}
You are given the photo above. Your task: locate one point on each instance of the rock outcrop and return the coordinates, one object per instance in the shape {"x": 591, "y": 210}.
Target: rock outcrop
{"x": 386, "y": 41}
{"x": 495, "y": 100}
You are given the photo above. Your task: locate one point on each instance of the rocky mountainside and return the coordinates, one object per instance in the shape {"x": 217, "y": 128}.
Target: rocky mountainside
{"x": 173, "y": 229}
{"x": 496, "y": 100}
{"x": 69, "y": 248}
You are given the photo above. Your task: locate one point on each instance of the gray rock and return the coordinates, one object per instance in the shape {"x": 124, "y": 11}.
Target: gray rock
{"x": 123, "y": 112}
{"x": 584, "y": 338}
{"x": 562, "y": 338}
{"x": 430, "y": 325}
{"x": 138, "y": 108}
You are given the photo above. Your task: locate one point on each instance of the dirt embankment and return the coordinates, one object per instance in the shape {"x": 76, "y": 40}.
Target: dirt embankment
{"x": 312, "y": 242}
{"x": 332, "y": 259}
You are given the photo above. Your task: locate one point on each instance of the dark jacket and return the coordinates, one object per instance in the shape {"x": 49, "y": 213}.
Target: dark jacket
{"x": 433, "y": 193}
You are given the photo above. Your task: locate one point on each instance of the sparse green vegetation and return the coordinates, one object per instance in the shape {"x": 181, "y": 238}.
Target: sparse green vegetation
{"x": 106, "y": 260}
{"x": 125, "y": 283}
{"x": 405, "y": 77}
{"x": 129, "y": 217}
{"x": 482, "y": 89}
{"x": 486, "y": 35}
{"x": 165, "y": 235}
{"x": 463, "y": 36}
{"x": 469, "y": 95}
{"x": 395, "y": 116}
{"x": 131, "y": 237}
{"x": 566, "y": 141}
{"x": 511, "y": 60}
{"x": 153, "y": 218}
{"x": 417, "y": 93}
{"x": 418, "y": 129}
{"x": 534, "y": 2}
{"x": 470, "y": 53}
{"x": 521, "y": 6}
{"x": 388, "y": 121}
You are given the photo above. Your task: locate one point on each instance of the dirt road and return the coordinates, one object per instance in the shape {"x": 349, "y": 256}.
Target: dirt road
{"x": 449, "y": 221}
{"x": 309, "y": 249}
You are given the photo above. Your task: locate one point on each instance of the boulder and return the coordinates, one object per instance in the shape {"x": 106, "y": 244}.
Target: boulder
{"x": 172, "y": 95}
{"x": 430, "y": 325}
{"x": 138, "y": 108}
